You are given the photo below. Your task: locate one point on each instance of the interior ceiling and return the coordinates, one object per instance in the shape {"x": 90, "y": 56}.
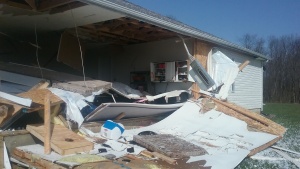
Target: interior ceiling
{"x": 94, "y": 24}
{"x": 122, "y": 31}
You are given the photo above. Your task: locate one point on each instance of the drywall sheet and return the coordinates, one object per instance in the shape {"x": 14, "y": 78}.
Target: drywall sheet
{"x": 225, "y": 138}
{"x": 111, "y": 110}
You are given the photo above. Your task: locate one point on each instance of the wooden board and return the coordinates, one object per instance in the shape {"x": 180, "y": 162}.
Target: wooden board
{"x": 34, "y": 160}
{"x": 201, "y": 51}
{"x": 63, "y": 140}
{"x": 264, "y": 146}
{"x": 38, "y": 96}
{"x": 84, "y": 88}
{"x": 252, "y": 119}
{"x": 13, "y": 109}
{"x": 69, "y": 51}
{"x": 169, "y": 145}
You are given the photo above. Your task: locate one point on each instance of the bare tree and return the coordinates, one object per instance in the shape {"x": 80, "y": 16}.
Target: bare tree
{"x": 254, "y": 43}
{"x": 282, "y": 74}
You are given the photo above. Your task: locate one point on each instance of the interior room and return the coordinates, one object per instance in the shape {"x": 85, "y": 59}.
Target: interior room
{"x": 91, "y": 41}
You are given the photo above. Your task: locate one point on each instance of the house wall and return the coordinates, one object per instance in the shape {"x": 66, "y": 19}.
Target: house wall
{"x": 116, "y": 62}
{"x": 138, "y": 57}
{"x": 248, "y": 86}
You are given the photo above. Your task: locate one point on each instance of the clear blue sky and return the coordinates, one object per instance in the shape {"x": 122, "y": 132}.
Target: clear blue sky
{"x": 231, "y": 19}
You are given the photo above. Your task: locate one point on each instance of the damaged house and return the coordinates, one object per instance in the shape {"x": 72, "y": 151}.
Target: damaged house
{"x": 137, "y": 68}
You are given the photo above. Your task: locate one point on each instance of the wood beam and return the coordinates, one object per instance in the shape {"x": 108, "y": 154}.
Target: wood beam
{"x": 243, "y": 65}
{"x": 15, "y": 4}
{"x": 47, "y": 119}
{"x": 66, "y": 7}
{"x": 49, "y": 4}
{"x": 31, "y": 3}
{"x": 111, "y": 35}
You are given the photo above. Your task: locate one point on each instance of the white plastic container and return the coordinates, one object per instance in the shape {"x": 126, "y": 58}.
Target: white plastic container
{"x": 112, "y": 130}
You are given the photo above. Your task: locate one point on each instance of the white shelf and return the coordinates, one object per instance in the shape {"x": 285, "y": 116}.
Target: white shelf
{"x": 175, "y": 71}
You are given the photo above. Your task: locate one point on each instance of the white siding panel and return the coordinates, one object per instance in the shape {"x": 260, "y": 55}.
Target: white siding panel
{"x": 248, "y": 84}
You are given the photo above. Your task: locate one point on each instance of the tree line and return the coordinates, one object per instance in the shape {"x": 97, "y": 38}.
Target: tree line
{"x": 282, "y": 71}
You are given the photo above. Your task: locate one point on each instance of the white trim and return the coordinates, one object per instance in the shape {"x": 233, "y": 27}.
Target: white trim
{"x": 22, "y": 101}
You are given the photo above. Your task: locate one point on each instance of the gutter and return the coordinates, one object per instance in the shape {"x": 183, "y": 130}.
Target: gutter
{"x": 160, "y": 22}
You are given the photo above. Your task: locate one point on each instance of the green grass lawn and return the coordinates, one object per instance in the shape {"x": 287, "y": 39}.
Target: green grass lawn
{"x": 288, "y": 115}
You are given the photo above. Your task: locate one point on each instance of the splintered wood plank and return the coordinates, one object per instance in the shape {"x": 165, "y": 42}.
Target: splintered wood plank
{"x": 41, "y": 85}
{"x": 38, "y": 96}
{"x": 264, "y": 146}
{"x": 34, "y": 160}
{"x": 63, "y": 140}
{"x": 252, "y": 119}
{"x": 169, "y": 145}
{"x": 13, "y": 109}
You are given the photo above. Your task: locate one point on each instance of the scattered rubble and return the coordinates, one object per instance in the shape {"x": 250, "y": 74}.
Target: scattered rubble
{"x": 74, "y": 131}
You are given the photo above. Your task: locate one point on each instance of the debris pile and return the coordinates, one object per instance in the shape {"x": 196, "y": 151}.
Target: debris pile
{"x": 69, "y": 123}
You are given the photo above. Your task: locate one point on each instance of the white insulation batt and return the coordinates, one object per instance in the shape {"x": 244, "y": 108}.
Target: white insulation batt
{"x": 223, "y": 71}
{"x": 225, "y": 138}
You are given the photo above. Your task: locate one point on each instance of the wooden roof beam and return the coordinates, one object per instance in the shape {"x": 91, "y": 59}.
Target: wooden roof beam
{"x": 32, "y": 4}
{"x": 49, "y": 4}
{"x": 15, "y": 4}
{"x": 66, "y": 7}
{"x": 102, "y": 38}
{"x": 110, "y": 35}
